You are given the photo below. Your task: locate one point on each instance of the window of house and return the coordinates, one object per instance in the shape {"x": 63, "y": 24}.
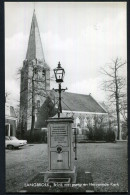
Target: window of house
{"x": 77, "y": 121}
{"x": 85, "y": 122}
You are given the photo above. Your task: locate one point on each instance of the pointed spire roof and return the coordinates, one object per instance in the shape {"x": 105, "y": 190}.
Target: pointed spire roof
{"x": 35, "y": 49}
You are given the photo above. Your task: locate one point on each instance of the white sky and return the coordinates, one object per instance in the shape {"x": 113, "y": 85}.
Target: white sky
{"x": 82, "y": 36}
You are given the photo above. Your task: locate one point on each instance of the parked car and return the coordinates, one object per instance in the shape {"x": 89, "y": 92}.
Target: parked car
{"x": 12, "y": 142}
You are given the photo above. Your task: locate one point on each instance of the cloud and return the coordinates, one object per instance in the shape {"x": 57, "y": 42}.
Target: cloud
{"x": 83, "y": 53}
{"x": 13, "y": 88}
{"x": 82, "y": 42}
{"x": 15, "y": 48}
{"x": 89, "y": 86}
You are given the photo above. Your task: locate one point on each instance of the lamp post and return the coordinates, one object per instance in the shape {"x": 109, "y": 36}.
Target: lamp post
{"x": 59, "y": 76}
{"x": 61, "y": 168}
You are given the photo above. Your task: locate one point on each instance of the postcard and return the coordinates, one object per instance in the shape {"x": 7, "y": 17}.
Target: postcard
{"x": 66, "y": 97}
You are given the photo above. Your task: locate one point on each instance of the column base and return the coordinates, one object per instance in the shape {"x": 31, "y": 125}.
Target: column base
{"x": 60, "y": 176}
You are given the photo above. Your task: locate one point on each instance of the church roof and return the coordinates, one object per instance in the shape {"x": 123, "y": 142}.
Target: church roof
{"x": 35, "y": 50}
{"x": 80, "y": 103}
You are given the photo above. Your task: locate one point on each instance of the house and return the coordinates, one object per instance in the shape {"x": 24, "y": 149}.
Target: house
{"x": 10, "y": 120}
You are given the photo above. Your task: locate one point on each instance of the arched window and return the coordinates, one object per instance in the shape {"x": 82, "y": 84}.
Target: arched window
{"x": 77, "y": 121}
{"x": 38, "y": 104}
{"x": 43, "y": 72}
{"x": 92, "y": 121}
{"x": 85, "y": 122}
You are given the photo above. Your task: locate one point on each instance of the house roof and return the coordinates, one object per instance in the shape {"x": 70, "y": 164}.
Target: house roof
{"x": 80, "y": 102}
{"x": 105, "y": 107}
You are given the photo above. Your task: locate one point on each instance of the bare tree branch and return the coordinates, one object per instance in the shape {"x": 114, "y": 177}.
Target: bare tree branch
{"x": 114, "y": 84}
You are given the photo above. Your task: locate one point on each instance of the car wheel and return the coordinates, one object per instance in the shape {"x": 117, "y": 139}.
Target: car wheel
{"x": 10, "y": 147}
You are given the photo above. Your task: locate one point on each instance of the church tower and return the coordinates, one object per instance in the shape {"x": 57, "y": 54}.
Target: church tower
{"x": 35, "y": 79}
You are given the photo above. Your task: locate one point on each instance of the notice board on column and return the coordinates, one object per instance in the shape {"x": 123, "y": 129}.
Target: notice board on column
{"x": 59, "y": 135}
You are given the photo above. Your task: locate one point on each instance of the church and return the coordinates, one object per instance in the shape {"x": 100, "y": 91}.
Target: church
{"x": 35, "y": 87}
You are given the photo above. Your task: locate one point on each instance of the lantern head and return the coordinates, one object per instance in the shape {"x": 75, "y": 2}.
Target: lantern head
{"x": 59, "y": 73}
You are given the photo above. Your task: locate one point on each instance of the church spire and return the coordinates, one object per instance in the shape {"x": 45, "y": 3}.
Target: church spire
{"x": 35, "y": 50}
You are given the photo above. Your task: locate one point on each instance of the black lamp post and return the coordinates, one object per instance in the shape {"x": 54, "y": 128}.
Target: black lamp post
{"x": 59, "y": 75}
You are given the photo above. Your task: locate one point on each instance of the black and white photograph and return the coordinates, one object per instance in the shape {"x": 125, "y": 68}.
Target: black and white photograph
{"x": 66, "y": 97}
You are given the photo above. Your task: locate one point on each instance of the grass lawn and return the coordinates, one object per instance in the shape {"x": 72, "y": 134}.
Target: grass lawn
{"x": 107, "y": 163}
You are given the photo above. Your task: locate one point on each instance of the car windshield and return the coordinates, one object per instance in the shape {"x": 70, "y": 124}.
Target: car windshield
{"x": 13, "y": 138}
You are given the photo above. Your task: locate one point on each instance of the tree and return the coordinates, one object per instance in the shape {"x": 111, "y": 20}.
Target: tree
{"x": 47, "y": 110}
{"x": 96, "y": 126}
{"x": 115, "y": 84}
{"x": 123, "y": 111}
{"x": 123, "y": 107}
